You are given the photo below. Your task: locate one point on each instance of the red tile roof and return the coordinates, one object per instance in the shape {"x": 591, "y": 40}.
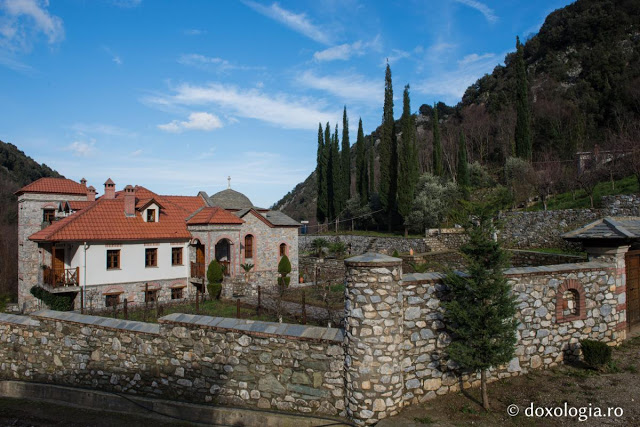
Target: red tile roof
{"x": 75, "y": 205}
{"x": 55, "y": 186}
{"x": 215, "y": 215}
{"x": 188, "y": 203}
{"x": 104, "y": 220}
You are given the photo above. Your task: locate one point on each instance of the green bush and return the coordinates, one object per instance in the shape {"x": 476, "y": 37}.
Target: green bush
{"x": 4, "y": 300}
{"x": 395, "y": 253}
{"x": 214, "y": 290}
{"x": 53, "y": 301}
{"x": 338, "y": 248}
{"x": 284, "y": 266}
{"x": 215, "y": 272}
{"x": 595, "y": 353}
{"x": 284, "y": 281}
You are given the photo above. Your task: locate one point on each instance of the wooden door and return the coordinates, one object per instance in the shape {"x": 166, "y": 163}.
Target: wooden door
{"x": 58, "y": 259}
{"x": 632, "y": 261}
{"x": 200, "y": 254}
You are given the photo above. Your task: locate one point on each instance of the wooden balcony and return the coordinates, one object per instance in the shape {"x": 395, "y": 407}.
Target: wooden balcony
{"x": 61, "y": 277}
{"x": 197, "y": 270}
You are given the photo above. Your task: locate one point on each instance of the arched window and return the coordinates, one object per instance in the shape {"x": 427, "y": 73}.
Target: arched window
{"x": 570, "y": 302}
{"x": 283, "y": 249}
{"x": 248, "y": 246}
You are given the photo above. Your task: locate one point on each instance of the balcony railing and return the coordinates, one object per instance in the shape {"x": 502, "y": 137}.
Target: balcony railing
{"x": 61, "y": 277}
{"x": 197, "y": 270}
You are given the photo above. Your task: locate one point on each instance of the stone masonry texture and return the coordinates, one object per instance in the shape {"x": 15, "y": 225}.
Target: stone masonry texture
{"x": 190, "y": 358}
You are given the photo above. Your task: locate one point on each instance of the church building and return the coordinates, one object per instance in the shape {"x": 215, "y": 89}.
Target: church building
{"x": 142, "y": 246}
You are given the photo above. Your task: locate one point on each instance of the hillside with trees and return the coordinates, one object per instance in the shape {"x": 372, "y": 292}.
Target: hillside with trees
{"x": 573, "y": 87}
{"x": 16, "y": 170}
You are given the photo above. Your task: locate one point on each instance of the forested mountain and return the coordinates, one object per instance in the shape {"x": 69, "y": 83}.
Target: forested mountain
{"x": 16, "y": 170}
{"x": 583, "y": 70}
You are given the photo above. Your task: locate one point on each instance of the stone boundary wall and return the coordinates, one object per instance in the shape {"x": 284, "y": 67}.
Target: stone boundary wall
{"x": 520, "y": 258}
{"x": 185, "y": 357}
{"x": 361, "y": 244}
{"x": 542, "y": 229}
{"x": 622, "y": 205}
{"x": 542, "y": 341}
{"x": 331, "y": 269}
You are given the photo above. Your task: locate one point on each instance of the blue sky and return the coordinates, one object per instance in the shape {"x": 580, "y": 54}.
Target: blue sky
{"x": 178, "y": 95}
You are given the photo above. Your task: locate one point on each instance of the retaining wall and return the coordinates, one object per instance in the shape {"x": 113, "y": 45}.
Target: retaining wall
{"x": 185, "y": 357}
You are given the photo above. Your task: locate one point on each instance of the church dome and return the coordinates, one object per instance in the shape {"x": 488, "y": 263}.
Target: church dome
{"x": 230, "y": 199}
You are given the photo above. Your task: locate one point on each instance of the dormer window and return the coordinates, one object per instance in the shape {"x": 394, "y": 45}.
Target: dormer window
{"x": 151, "y": 215}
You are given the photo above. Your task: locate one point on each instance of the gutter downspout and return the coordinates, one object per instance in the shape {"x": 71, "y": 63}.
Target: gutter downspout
{"x": 84, "y": 280}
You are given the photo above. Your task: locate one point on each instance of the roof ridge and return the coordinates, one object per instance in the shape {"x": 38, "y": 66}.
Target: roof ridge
{"x": 72, "y": 218}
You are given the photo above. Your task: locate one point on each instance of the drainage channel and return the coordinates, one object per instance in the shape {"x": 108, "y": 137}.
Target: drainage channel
{"x": 165, "y": 410}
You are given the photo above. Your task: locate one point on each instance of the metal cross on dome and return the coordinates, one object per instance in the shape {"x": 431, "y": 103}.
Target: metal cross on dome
{"x": 229, "y": 184}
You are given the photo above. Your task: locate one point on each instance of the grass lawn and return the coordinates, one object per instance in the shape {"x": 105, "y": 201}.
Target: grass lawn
{"x": 214, "y": 308}
{"x": 317, "y": 295}
{"x": 557, "y": 251}
{"x": 628, "y": 185}
{"x": 398, "y": 233}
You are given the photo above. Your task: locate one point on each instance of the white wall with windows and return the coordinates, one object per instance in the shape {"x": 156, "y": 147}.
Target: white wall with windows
{"x": 131, "y": 263}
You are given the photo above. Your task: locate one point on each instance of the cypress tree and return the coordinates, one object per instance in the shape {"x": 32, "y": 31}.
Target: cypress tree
{"x": 336, "y": 178}
{"x": 345, "y": 161}
{"x": 328, "y": 177}
{"x": 463, "y": 168}
{"x": 480, "y": 312}
{"x": 371, "y": 167}
{"x": 523, "y": 120}
{"x": 388, "y": 152}
{"x": 362, "y": 178}
{"x": 406, "y": 171}
{"x": 321, "y": 178}
{"x": 438, "y": 169}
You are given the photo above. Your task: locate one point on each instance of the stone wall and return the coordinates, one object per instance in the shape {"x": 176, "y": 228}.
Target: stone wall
{"x": 328, "y": 269}
{"x": 543, "y": 229}
{"x": 185, "y": 357}
{"x": 442, "y": 239}
{"x": 357, "y": 245}
{"x": 543, "y": 340}
{"x": 396, "y": 339}
{"x": 622, "y": 205}
{"x": 520, "y": 258}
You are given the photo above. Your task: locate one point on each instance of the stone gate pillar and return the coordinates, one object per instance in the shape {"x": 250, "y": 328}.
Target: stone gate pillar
{"x": 373, "y": 337}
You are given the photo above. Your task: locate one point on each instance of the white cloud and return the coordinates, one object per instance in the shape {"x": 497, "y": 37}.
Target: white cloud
{"x": 136, "y": 153}
{"x": 474, "y": 57}
{"x": 197, "y": 121}
{"x": 23, "y": 20}
{"x": 346, "y": 51}
{"x": 127, "y": 4}
{"x": 488, "y": 13}
{"x": 212, "y": 63}
{"x": 81, "y": 148}
{"x": 195, "y": 32}
{"x": 114, "y": 57}
{"x": 349, "y": 87}
{"x": 103, "y": 129}
{"x": 297, "y": 22}
{"x": 396, "y": 55}
{"x": 451, "y": 84}
{"x": 279, "y": 109}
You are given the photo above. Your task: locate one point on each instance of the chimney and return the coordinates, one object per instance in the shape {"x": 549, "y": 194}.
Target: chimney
{"x": 83, "y": 182}
{"x": 91, "y": 194}
{"x": 129, "y": 201}
{"x": 109, "y": 189}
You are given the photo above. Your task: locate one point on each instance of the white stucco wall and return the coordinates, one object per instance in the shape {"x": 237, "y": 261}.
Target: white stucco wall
{"x": 132, "y": 260}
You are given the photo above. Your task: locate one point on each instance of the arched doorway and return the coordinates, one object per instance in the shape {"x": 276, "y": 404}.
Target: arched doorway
{"x": 223, "y": 255}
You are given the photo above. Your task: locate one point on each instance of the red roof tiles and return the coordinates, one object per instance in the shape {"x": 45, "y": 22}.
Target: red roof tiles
{"x": 76, "y": 205}
{"x": 104, "y": 220}
{"x": 215, "y": 215}
{"x": 55, "y": 186}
